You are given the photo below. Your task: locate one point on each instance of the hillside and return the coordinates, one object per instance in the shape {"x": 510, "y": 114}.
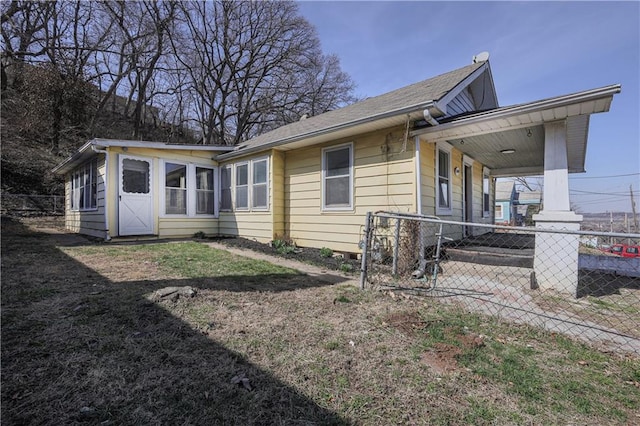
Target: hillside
{"x": 27, "y": 157}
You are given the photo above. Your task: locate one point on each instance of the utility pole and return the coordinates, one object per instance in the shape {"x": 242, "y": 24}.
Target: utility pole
{"x": 611, "y": 226}
{"x": 633, "y": 209}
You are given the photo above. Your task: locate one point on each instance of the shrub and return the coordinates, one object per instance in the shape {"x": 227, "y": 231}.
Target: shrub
{"x": 346, "y": 267}
{"x": 283, "y": 246}
{"x": 326, "y": 252}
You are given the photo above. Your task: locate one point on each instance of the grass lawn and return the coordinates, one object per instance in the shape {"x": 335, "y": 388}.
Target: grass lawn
{"x": 84, "y": 340}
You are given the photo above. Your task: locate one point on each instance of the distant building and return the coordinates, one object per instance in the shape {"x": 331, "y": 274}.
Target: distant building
{"x": 505, "y": 211}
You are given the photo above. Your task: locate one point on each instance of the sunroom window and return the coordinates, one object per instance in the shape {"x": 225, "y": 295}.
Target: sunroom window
{"x": 204, "y": 191}
{"x": 175, "y": 188}
{"x": 189, "y": 189}
{"x": 225, "y": 185}
{"x": 84, "y": 187}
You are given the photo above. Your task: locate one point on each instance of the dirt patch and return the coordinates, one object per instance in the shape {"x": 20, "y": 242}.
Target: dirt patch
{"x": 408, "y": 323}
{"x": 442, "y": 358}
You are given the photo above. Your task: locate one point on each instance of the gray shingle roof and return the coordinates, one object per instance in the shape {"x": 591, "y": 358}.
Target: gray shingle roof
{"x": 414, "y": 95}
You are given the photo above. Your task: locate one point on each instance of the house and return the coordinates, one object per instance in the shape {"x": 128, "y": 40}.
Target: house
{"x": 505, "y": 202}
{"x": 434, "y": 148}
{"x": 528, "y": 204}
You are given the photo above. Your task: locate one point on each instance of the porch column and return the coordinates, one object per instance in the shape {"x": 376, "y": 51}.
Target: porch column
{"x": 556, "y": 255}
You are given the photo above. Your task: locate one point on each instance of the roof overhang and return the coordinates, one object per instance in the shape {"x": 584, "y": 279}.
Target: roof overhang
{"x": 484, "y": 136}
{"x": 340, "y": 131}
{"x": 88, "y": 150}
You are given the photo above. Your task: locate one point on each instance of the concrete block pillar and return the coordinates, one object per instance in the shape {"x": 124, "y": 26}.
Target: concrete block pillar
{"x": 556, "y": 254}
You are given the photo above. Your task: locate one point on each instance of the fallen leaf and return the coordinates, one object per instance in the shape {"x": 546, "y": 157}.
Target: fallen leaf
{"x": 583, "y": 363}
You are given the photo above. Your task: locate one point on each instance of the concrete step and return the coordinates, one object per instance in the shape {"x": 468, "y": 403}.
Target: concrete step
{"x": 520, "y": 258}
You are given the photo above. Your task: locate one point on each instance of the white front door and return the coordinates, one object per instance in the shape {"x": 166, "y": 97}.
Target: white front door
{"x": 135, "y": 199}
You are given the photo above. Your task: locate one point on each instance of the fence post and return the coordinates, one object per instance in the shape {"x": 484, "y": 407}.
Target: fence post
{"x": 396, "y": 247}
{"x": 365, "y": 249}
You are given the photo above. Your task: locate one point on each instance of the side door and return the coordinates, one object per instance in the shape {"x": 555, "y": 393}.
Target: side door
{"x": 135, "y": 197}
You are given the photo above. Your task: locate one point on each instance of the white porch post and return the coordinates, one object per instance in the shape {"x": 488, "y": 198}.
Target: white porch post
{"x": 556, "y": 255}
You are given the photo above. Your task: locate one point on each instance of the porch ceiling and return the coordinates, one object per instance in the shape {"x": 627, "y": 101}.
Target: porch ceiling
{"x": 485, "y": 136}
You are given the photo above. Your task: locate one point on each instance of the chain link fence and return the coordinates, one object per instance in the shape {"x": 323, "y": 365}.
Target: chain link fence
{"x": 32, "y": 205}
{"x": 573, "y": 282}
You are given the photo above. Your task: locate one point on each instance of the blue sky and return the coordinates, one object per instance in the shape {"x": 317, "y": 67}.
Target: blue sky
{"x": 538, "y": 50}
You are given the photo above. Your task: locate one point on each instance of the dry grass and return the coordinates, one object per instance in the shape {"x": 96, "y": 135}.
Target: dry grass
{"x": 83, "y": 342}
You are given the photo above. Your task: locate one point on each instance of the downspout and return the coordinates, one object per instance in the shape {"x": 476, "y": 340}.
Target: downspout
{"x": 422, "y": 265}
{"x": 107, "y": 237}
{"x": 418, "y": 177}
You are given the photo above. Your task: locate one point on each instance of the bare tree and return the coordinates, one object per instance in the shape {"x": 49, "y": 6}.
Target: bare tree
{"x": 254, "y": 66}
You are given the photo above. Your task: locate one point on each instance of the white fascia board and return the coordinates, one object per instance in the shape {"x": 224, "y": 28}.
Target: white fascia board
{"x": 86, "y": 151}
{"x": 453, "y": 129}
{"x": 105, "y": 143}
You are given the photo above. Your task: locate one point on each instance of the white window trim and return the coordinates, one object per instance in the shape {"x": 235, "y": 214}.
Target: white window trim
{"x": 235, "y": 186}
{"x": 190, "y": 190}
{"x": 231, "y": 187}
{"x": 84, "y": 167}
{"x": 252, "y": 185}
{"x": 445, "y": 211}
{"x": 324, "y": 177}
{"x": 486, "y": 209}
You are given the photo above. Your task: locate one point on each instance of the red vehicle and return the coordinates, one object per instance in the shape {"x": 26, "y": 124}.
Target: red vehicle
{"x": 625, "y": 250}
{"x": 617, "y": 249}
{"x": 631, "y": 251}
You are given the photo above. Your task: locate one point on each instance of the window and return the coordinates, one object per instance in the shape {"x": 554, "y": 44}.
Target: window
{"x": 189, "y": 189}
{"x": 175, "y": 188}
{"x": 499, "y": 214}
{"x": 204, "y": 191}
{"x": 443, "y": 178}
{"x": 225, "y": 185}
{"x": 84, "y": 187}
{"x": 250, "y": 185}
{"x": 486, "y": 208}
{"x": 242, "y": 186}
{"x": 259, "y": 187}
{"x": 337, "y": 177}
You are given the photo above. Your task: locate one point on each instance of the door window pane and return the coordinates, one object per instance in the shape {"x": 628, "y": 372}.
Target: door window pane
{"x": 135, "y": 176}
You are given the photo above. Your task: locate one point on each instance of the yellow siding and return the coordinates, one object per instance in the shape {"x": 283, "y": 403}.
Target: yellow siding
{"x": 383, "y": 179}
{"x": 253, "y": 225}
{"x": 186, "y": 227}
{"x": 277, "y": 193}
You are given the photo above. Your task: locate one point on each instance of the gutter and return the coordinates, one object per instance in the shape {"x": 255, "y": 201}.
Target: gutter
{"x": 430, "y": 107}
{"x": 107, "y": 237}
